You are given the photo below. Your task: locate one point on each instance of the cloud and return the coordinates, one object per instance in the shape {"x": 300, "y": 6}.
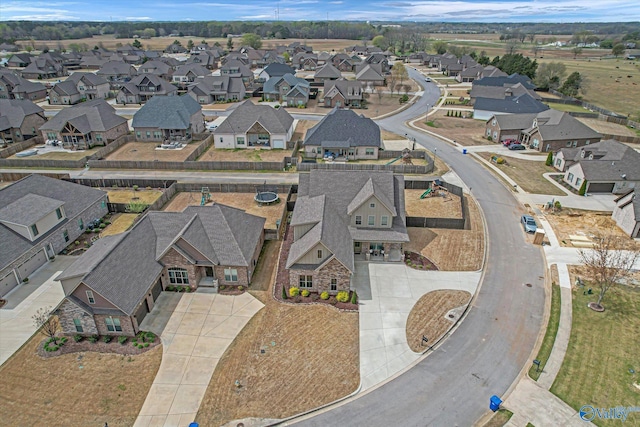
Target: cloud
{"x": 138, "y": 18}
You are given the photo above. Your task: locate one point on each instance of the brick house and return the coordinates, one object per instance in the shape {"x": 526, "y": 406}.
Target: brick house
{"x": 343, "y": 93}
{"x": 287, "y": 88}
{"x": 551, "y": 130}
{"x": 12, "y": 86}
{"x": 627, "y": 213}
{"x": 64, "y": 93}
{"x": 364, "y": 219}
{"x": 143, "y": 87}
{"x": 20, "y": 119}
{"x": 39, "y": 216}
{"x": 114, "y": 285}
{"x": 91, "y": 86}
{"x": 168, "y": 118}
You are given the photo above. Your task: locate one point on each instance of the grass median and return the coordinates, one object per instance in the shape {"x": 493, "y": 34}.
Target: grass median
{"x": 550, "y": 335}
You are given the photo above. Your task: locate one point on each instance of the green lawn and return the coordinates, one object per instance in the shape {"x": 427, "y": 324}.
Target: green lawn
{"x": 500, "y": 418}
{"x": 570, "y": 108}
{"x": 603, "y": 348}
{"x": 550, "y": 335}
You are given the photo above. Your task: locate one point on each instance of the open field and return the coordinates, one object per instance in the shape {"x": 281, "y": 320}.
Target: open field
{"x": 120, "y": 223}
{"x": 77, "y": 389}
{"x": 243, "y": 201}
{"x": 528, "y": 174}
{"x": 60, "y": 155}
{"x": 428, "y": 317}
{"x": 243, "y": 155}
{"x": 451, "y": 250}
{"x": 432, "y": 207}
{"x": 146, "y": 151}
{"x": 603, "y": 348}
{"x": 608, "y": 127}
{"x": 550, "y": 334}
{"x": 463, "y": 131}
{"x": 127, "y": 196}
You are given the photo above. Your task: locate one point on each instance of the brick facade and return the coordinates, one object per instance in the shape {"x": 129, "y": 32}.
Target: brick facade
{"x": 69, "y": 311}
{"x": 322, "y": 278}
{"x": 173, "y": 259}
{"x": 243, "y": 275}
{"x": 125, "y": 322}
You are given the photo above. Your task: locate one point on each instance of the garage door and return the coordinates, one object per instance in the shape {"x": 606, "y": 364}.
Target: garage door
{"x": 7, "y": 283}
{"x": 155, "y": 291}
{"x": 32, "y": 264}
{"x": 600, "y": 187}
{"x": 141, "y": 313}
{"x": 278, "y": 143}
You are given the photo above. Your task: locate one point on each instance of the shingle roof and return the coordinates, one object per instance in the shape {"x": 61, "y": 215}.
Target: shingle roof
{"x": 166, "y": 112}
{"x": 246, "y": 114}
{"x": 270, "y": 85}
{"x": 14, "y": 111}
{"x": 194, "y": 68}
{"x": 369, "y": 73}
{"x": 511, "y": 105}
{"x": 514, "y": 121}
{"x": 555, "y": 125}
{"x": 349, "y": 89}
{"x": 508, "y": 80}
{"x": 67, "y": 87}
{"x": 28, "y": 209}
{"x": 90, "y": 78}
{"x": 276, "y": 69}
{"x": 620, "y": 162}
{"x": 328, "y": 71}
{"x": 116, "y": 68}
{"x": 345, "y": 125}
{"x": 90, "y": 116}
{"x": 84, "y": 264}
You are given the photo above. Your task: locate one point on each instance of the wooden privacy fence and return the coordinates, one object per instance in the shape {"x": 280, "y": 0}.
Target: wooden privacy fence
{"x": 16, "y": 147}
{"x": 187, "y": 165}
{"x": 403, "y": 169}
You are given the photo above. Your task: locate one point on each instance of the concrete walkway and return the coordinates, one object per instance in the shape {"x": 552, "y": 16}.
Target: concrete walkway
{"x": 194, "y": 338}
{"x": 16, "y": 323}
{"x": 387, "y": 293}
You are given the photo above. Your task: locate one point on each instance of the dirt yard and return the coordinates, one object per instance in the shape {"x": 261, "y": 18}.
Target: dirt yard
{"x": 243, "y": 155}
{"x": 78, "y": 389}
{"x": 301, "y": 129}
{"x": 120, "y": 223}
{"x": 607, "y": 127}
{"x": 451, "y": 250}
{"x": 60, "y": 155}
{"x": 429, "y": 316}
{"x": 128, "y": 196}
{"x": 243, "y": 201}
{"x": 146, "y": 151}
{"x": 568, "y": 222}
{"x": 432, "y": 207}
{"x": 464, "y": 131}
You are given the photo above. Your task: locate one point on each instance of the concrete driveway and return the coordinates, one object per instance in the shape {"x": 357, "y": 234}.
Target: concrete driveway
{"x": 196, "y": 334}
{"x": 16, "y": 323}
{"x": 387, "y": 293}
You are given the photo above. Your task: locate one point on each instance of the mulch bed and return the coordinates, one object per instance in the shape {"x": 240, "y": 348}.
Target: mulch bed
{"x": 113, "y": 347}
{"x": 418, "y": 261}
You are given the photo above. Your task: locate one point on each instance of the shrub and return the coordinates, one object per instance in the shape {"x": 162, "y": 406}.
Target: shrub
{"x": 122, "y": 340}
{"x": 294, "y": 292}
{"x": 149, "y": 336}
{"x": 146, "y": 344}
{"x": 583, "y": 188}
{"x": 549, "y": 161}
{"x": 305, "y": 293}
{"x": 77, "y": 337}
{"x": 343, "y": 296}
{"x": 63, "y": 340}
{"x": 500, "y": 161}
{"x": 76, "y": 242}
{"x": 284, "y": 292}
{"x": 87, "y": 231}
{"x": 135, "y": 188}
{"x": 557, "y": 205}
{"x": 354, "y": 298}
{"x": 185, "y": 289}
{"x": 171, "y": 288}
{"x": 489, "y": 138}
{"x": 240, "y": 288}
{"x": 103, "y": 225}
{"x": 25, "y": 280}
{"x": 324, "y": 295}
{"x": 93, "y": 339}
{"x": 107, "y": 338}
{"x": 222, "y": 287}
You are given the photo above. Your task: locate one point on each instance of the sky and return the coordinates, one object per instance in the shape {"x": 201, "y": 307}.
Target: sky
{"x": 300, "y": 10}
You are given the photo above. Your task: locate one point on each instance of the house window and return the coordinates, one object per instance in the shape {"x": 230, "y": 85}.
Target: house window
{"x": 178, "y": 276}
{"x": 148, "y": 134}
{"x": 305, "y": 281}
{"x": 157, "y": 135}
{"x": 587, "y": 142}
{"x": 221, "y": 139}
{"x": 34, "y": 230}
{"x": 59, "y": 213}
{"x": 52, "y": 135}
{"x": 90, "y": 297}
{"x": 371, "y": 220}
{"x": 568, "y": 143}
{"x": 230, "y": 274}
{"x": 358, "y": 220}
{"x": 570, "y": 177}
{"x": 488, "y": 132}
{"x": 578, "y": 181}
{"x": 558, "y": 162}
{"x": 319, "y": 253}
{"x": 78, "y": 324}
{"x": 372, "y": 205}
{"x": 65, "y": 235}
{"x": 113, "y": 324}
{"x": 334, "y": 285}
{"x": 98, "y": 137}
{"x": 80, "y": 224}
{"x": 368, "y": 151}
{"x": 493, "y": 122}
{"x": 137, "y": 134}
{"x": 384, "y": 220}
{"x": 240, "y": 140}
{"x": 575, "y": 143}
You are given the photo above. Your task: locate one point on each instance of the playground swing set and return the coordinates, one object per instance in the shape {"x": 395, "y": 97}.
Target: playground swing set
{"x": 437, "y": 189}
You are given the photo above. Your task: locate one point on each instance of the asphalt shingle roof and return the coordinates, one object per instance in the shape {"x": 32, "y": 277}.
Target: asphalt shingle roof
{"x": 91, "y": 116}
{"x": 345, "y": 125}
{"x": 14, "y": 111}
{"x": 28, "y": 209}
{"x": 511, "y": 105}
{"x": 246, "y": 114}
{"x": 166, "y": 112}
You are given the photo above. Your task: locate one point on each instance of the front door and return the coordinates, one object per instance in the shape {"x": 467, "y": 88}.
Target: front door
{"x": 208, "y": 271}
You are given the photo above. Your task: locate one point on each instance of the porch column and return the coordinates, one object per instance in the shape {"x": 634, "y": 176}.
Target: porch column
{"x": 387, "y": 250}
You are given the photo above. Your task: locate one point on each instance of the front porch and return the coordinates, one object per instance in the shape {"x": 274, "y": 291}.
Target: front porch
{"x": 378, "y": 251}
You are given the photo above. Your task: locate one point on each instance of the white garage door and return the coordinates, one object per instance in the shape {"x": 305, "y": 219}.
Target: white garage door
{"x": 7, "y": 283}
{"x": 32, "y": 264}
{"x": 278, "y": 143}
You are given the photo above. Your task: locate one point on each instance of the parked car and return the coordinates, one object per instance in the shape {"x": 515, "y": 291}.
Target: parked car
{"x": 508, "y": 142}
{"x": 211, "y": 128}
{"x": 427, "y": 79}
{"x": 517, "y": 147}
{"x": 528, "y": 223}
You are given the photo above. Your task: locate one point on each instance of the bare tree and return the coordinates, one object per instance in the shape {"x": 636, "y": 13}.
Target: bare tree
{"x": 380, "y": 92}
{"x": 608, "y": 262}
{"x": 512, "y": 47}
{"x": 49, "y": 323}
{"x": 576, "y": 51}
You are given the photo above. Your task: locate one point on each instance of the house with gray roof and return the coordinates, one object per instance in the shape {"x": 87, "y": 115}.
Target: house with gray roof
{"x": 19, "y": 119}
{"x": 39, "y": 216}
{"x": 363, "y": 220}
{"x": 64, "y": 93}
{"x": 44, "y": 67}
{"x": 210, "y": 89}
{"x": 112, "y": 287}
{"x": 501, "y": 127}
{"x": 91, "y": 86}
{"x": 237, "y": 68}
{"x": 343, "y": 134}
{"x": 13, "y": 86}
{"x": 117, "y": 73}
{"x": 606, "y": 167}
{"x": 626, "y": 214}
{"x": 168, "y": 118}
{"x": 552, "y": 130}
{"x": 255, "y": 126}
{"x": 485, "y": 108}
{"x": 287, "y": 89}
{"x": 343, "y": 93}
{"x": 144, "y": 87}
{"x": 370, "y": 74}
{"x": 305, "y": 61}
{"x": 84, "y": 125}
{"x": 327, "y": 72}
{"x": 20, "y": 60}
{"x": 208, "y": 59}
{"x": 275, "y": 69}
{"x": 158, "y": 68}
{"x": 188, "y": 73}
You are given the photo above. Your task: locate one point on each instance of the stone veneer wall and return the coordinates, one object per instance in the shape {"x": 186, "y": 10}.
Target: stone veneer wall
{"x": 69, "y": 311}
{"x": 322, "y": 278}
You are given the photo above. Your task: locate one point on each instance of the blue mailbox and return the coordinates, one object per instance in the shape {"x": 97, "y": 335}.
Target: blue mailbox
{"x": 494, "y": 403}
{"x": 193, "y": 425}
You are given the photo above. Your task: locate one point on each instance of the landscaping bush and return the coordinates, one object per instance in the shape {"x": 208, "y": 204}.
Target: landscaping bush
{"x": 324, "y": 295}
{"x": 294, "y": 292}
{"x": 557, "y": 205}
{"x": 549, "y": 161}
{"x": 500, "y": 161}
{"x": 135, "y": 188}
{"x": 77, "y": 337}
{"x": 87, "y": 231}
{"x": 122, "y": 340}
{"x": 354, "y": 298}
{"x": 25, "y": 280}
{"x": 583, "y": 188}
{"x": 171, "y": 288}
{"x": 76, "y": 242}
{"x": 107, "y": 338}
{"x": 240, "y": 288}
{"x": 305, "y": 293}
{"x": 103, "y": 225}
{"x": 93, "y": 339}
{"x": 343, "y": 296}
{"x": 146, "y": 344}
{"x": 489, "y": 138}
{"x": 284, "y": 293}
{"x": 222, "y": 287}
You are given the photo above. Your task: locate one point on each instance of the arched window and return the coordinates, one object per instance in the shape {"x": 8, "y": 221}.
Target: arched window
{"x": 178, "y": 276}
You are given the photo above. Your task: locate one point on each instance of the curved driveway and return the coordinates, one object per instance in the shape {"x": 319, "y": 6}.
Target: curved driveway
{"x": 486, "y": 353}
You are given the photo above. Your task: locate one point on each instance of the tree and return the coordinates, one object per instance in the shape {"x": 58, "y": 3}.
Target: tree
{"x": 608, "y": 262}
{"x": 399, "y": 71}
{"x": 550, "y": 74}
{"x": 136, "y": 43}
{"x": 549, "y": 161}
{"x": 535, "y": 49}
{"x": 511, "y": 47}
{"x": 230, "y": 43}
{"x": 618, "y": 49}
{"x": 190, "y": 44}
{"x": 381, "y": 42}
{"x": 287, "y": 57}
{"x": 576, "y": 51}
{"x": 136, "y": 207}
{"x": 148, "y": 33}
{"x": 252, "y": 39}
{"x": 380, "y": 92}
{"x": 440, "y": 47}
{"x": 177, "y": 42}
{"x": 573, "y": 84}
{"x": 49, "y": 323}
{"x": 516, "y": 63}
{"x": 531, "y": 37}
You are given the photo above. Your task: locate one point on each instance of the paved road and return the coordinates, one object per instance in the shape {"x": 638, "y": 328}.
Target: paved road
{"x": 484, "y": 356}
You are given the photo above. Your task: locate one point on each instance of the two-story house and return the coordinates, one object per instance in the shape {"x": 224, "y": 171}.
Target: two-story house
{"x": 212, "y": 89}
{"x": 64, "y": 93}
{"x": 117, "y": 73}
{"x": 237, "y": 68}
{"x": 188, "y": 73}
{"x": 19, "y": 119}
{"x": 288, "y": 89}
{"x": 168, "y": 118}
{"x": 142, "y": 88}
{"x": 39, "y": 216}
{"x": 91, "y": 86}
{"x": 12, "y": 86}
{"x": 340, "y": 217}
{"x": 343, "y": 93}
{"x": 327, "y": 72}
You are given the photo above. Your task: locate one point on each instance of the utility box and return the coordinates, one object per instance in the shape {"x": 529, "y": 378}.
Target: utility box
{"x": 494, "y": 403}
{"x": 538, "y": 237}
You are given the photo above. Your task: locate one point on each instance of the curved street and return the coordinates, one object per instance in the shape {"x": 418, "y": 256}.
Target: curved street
{"x": 485, "y": 355}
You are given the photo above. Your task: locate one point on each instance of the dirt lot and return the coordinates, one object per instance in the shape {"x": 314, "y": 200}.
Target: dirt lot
{"x": 243, "y": 201}
{"x": 463, "y": 131}
{"x": 146, "y": 151}
{"x": 432, "y": 207}
{"x": 79, "y": 389}
{"x": 243, "y": 155}
{"x": 428, "y": 317}
{"x": 608, "y": 127}
{"x": 301, "y": 129}
{"x": 292, "y": 375}
{"x": 128, "y": 196}
{"x": 451, "y": 250}
{"x": 120, "y": 223}
{"x": 60, "y": 155}
{"x": 583, "y": 223}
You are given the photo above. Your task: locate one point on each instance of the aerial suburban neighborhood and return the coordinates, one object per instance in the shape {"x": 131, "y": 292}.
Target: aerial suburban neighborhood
{"x": 363, "y": 220}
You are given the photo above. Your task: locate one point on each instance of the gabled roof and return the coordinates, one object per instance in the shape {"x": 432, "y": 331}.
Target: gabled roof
{"x": 193, "y": 68}
{"x": 508, "y": 80}
{"x": 349, "y": 89}
{"x": 369, "y": 73}
{"x": 328, "y": 71}
{"x": 247, "y": 114}
{"x": 514, "y": 121}
{"x": 29, "y": 209}
{"x": 98, "y": 250}
{"x": 276, "y": 69}
{"x": 14, "y": 111}
{"x": 218, "y": 85}
{"x": 67, "y": 87}
{"x": 166, "y": 112}
{"x": 89, "y": 78}
{"x": 620, "y": 163}
{"x": 271, "y": 85}
{"x": 368, "y": 190}
{"x": 91, "y": 116}
{"x": 140, "y": 80}
{"x": 116, "y": 68}
{"x": 511, "y": 105}
{"x": 557, "y": 125}
{"x": 155, "y": 67}
{"x": 344, "y": 125}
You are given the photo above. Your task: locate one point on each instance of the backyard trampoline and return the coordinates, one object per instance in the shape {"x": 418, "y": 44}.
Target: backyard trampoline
{"x": 266, "y": 197}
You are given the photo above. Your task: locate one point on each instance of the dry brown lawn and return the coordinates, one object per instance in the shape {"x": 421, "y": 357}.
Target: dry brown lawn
{"x": 463, "y": 131}
{"x": 128, "y": 196}
{"x": 120, "y": 223}
{"x": 243, "y": 155}
{"x": 243, "y": 201}
{"x": 428, "y": 316}
{"x": 264, "y": 274}
{"x": 301, "y": 129}
{"x": 451, "y": 250}
{"x": 432, "y": 207}
{"x": 78, "y": 389}
{"x": 390, "y": 136}
{"x": 60, "y": 155}
{"x": 607, "y": 127}
{"x": 146, "y": 151}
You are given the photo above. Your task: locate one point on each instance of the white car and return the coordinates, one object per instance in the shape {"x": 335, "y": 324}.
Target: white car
{"x": 211, "y": 128}
{"x": 427, "y": 79}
